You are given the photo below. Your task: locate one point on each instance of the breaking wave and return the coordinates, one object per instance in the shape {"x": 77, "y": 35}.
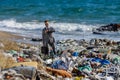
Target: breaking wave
{"x": 11, "y": 24}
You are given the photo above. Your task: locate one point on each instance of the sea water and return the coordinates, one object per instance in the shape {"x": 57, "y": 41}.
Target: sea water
{"x": 71, "y": 18}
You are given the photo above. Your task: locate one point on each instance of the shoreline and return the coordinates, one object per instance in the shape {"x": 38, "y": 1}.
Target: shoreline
{"x": 15, "y": 37}
{"x": 9, "y": 35}
{"x": 10, "y": 41}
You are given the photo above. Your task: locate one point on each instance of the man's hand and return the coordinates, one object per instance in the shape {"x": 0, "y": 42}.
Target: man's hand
{"x": 46, "y": 31}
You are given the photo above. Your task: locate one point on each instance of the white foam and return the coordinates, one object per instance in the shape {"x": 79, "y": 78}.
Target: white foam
{"x": 72, "y": 26}
{"x": 63, "y": 30}
{"x": 12, "y": 23}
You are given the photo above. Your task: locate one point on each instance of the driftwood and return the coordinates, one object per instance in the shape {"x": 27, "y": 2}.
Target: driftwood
{"x": 57, "y": 72}
{"x": 36, "y": 39}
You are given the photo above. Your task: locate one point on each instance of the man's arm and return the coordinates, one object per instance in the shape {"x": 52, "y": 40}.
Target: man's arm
{"x": 51, "y": 30}
{"x": 43, "y": 33}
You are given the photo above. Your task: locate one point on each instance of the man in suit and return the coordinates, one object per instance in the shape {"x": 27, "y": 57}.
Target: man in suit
{"x": 48, "y": 37}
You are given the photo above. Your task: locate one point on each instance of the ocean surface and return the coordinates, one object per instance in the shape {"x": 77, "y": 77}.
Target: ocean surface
{"x": 71, "y": 18}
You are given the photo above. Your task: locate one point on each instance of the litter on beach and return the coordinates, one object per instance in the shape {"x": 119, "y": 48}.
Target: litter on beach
{"x": 83, "y": 61}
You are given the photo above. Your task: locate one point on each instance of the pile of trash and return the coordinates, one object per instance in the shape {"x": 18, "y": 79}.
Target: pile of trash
{"x": 97, "y": 59}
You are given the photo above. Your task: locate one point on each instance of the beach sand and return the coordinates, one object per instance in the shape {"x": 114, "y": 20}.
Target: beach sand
{"x": 8, "y": 35}
{"x": 8, "y": 41}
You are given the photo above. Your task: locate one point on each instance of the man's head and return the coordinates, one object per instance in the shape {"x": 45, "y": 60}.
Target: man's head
{"x": 46, "y": 23}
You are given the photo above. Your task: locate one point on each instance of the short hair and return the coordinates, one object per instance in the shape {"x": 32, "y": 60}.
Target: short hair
{"x": 46, "y": 21}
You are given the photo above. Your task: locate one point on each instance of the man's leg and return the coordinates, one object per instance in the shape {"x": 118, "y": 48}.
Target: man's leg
{"x": 45, "y": 45}
{"x": 53, "y": 47}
